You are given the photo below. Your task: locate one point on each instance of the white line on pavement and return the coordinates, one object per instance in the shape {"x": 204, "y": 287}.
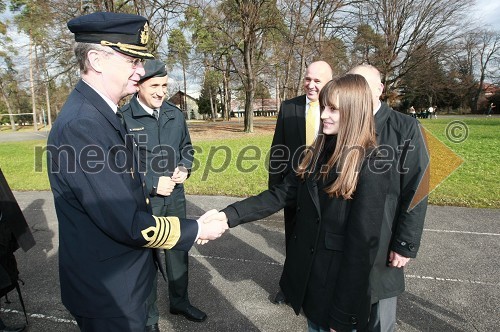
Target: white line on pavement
{"x": 476, "y": 282}
{"x": 409, "y": 276}
{"x": 40, "y": 316}
{"x": 462, "y": 232}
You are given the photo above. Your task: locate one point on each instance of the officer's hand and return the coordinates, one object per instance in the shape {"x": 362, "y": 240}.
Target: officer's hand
{"x": 180, "y": 174}
{"x": 211, "y": 225}
{"x": 165, "y": 186}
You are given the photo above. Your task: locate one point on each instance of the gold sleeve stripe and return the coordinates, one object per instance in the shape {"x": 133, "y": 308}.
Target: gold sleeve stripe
{"x": 164, "y": 235}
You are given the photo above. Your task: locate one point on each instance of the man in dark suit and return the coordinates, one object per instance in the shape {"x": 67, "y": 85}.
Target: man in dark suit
{"x": 296, "y": 127}
{"x": 166, "y": 153}
{"x": 402, "y": 138}
{"x": 106, "y": 228}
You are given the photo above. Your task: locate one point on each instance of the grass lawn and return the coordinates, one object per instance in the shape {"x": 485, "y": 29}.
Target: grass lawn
{"x": 237, "y": 167}
{"x": 476, "y": 182}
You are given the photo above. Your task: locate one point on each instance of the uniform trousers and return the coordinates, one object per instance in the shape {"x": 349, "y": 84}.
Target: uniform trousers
{"x": 177, "y": 262}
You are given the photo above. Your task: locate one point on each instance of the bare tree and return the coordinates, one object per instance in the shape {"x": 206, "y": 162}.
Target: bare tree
{"x": 487, "y": 52}
{"x": 409, "y": 25}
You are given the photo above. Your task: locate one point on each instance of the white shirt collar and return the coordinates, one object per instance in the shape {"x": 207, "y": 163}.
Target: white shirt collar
{"x": 108, "y": 101}
{"x": 146, "y": 108}
{"x": 377, "y": 108}
{"x": 308, "y": 101}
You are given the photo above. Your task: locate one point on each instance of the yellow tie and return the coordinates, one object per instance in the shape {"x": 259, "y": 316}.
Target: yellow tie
{"x": 312, "y": 113}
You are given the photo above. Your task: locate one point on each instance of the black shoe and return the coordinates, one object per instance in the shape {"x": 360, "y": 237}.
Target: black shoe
{"x": 153, "y": 328}
{"x": 279, "y": 298}
{"x": 13, "y": 328}
{"x": 191, "y": 313}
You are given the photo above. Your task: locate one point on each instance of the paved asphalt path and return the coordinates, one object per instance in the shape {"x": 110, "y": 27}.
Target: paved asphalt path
{"x": 8, "y": 136}
{"x": 453, "y": 285}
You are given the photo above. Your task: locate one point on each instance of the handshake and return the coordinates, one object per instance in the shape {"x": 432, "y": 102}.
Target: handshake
{"x": 211, "y": 226}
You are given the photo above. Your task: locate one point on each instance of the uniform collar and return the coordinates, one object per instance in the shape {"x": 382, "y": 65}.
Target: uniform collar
{"x": 148, "y": 109}
{"x": 381, "y": 117}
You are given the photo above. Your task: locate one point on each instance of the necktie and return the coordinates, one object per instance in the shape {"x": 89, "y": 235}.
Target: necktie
{"x": 155, "y": 113}
{"x": 120, "y": 117}
{"x": 312, "y": 114}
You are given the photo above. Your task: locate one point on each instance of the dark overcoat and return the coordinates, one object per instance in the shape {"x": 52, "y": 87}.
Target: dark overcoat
{"x": 288, "y": 140}
{"x": 105, "y": 222}
{"x": 401, "y": 138}
{"x": 332, "y": 247}
{"x": 286, "y": 148}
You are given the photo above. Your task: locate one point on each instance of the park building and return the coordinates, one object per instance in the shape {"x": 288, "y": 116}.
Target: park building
{"x": 190, "y": 109}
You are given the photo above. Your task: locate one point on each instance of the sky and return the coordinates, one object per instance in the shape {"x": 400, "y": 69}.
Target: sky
{"x": 486, "y": 12}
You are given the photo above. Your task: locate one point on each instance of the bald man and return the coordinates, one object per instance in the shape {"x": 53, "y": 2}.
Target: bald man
{"x": 291, "y": 136}
{"x": 402, "y": 138}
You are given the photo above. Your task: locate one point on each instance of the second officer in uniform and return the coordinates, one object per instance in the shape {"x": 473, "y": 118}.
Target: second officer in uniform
{"x": 166, "y": 156}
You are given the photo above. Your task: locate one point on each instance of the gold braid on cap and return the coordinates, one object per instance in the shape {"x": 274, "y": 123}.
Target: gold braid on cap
{"x": 164, "y": 235}
{"x": 128, "y": 48}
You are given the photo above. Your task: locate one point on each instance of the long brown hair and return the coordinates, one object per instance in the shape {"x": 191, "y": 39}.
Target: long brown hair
{"x": 351, "y": 95}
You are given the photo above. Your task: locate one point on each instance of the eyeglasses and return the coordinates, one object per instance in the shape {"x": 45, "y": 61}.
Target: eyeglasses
{"x": 134, "y": 62}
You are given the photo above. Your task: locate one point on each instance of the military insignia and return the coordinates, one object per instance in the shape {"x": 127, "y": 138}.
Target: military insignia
{"x": 145, "y": 34}
{"x": 136, "y": 129}
{"x": 164, "y": 234}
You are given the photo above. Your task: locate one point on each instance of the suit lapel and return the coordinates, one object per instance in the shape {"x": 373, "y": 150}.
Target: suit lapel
{"x": 312, "y": 187}
{"x": 300, "y": 113}
{"x": 102, "y": 107}
{"x": 139, "y": 114}
{"x": 381, "y": 118}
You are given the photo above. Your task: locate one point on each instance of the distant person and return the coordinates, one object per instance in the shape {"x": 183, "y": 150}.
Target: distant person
{"x": 166, "y": 151}
{"x": 430, "y": 112}
{"x": 412, "y": 112}
{"x": 402, "y": 138}
{"x": 490, "y": 109}
{"x": 296, "y": 127}
{"x": 106, "y": 229}
{"x": 340, "y": 202}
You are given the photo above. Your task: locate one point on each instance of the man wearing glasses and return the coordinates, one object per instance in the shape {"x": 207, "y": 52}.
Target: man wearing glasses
{"x": 106, "y": 228}
{"x": 166, "y": 153}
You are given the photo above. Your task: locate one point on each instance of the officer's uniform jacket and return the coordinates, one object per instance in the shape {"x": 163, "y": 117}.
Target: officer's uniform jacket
{"x": 105, "y": 222}
{"x": 401, "y": 137}
{"x": 163, "y": 144}
{"x": 332, "y": 247}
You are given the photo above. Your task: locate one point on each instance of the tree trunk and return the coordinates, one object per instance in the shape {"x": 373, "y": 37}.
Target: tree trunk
{"x": 226, "y": 110}
{"x": 211, "y": 103}
{"x": 47, "y": 86}
{"x": 248, "y": 111}
{"x": 249, "y": 86}
{"x": 227, "y": 89}
{"x": 185, "y": 90}
{"x": 7, "y": 104}
{"x": 32, "y": 84}
{"x": 47, "y": 101}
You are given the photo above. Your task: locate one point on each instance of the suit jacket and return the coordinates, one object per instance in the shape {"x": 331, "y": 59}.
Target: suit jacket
{"x": 332, "y": 248}
{"x": 401, "y": 137}
{"x": 163, "y": 144}
{"x": 289, "y": 139}
{"x": 105, "y": 222}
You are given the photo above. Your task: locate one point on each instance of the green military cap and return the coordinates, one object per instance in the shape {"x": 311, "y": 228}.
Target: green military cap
{"x": 154, "y": 68}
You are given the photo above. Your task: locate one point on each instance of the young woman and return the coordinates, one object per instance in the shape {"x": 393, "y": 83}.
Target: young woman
{"x": 339, "y": 194}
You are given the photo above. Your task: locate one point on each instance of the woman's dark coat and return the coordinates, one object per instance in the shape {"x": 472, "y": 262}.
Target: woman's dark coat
{"x": 332, "y": 248}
